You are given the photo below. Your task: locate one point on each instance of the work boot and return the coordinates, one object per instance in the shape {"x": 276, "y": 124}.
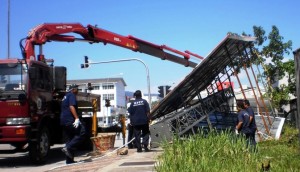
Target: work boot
{"x": 71, "y": 162}
{"x": 139, "y": 150}
{"x": 147, "y": 150}
{"x": 67, "y": 152}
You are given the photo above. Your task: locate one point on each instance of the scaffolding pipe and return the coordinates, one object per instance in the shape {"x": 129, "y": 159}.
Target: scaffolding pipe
{"x": 264, "y": 84}
{"x": 262, "y": 117}
{"x": 245, "y": 68}
{"x": 261, "y": 97}
{"x": 235, "y": 73}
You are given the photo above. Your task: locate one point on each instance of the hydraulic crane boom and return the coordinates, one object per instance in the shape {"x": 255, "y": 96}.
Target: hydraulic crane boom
{"x": 56, "y": 32}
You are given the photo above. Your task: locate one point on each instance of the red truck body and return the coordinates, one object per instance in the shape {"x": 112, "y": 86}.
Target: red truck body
{"x": 31, "y": 88}
{"x": 30, "y": 95}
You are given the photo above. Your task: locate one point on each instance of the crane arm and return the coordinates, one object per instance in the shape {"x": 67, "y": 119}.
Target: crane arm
{"x": 56, "y": 32}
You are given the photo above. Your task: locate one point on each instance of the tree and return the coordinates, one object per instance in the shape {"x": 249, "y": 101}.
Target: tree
{"x": 270, "y": 51}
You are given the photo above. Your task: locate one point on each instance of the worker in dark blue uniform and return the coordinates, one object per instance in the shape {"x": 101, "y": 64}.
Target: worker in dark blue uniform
{"x": 69, "y": 119}
{"x": 252, "y": 124}
{"x": 243, "y": 125}
{"x": 139, "y": 112}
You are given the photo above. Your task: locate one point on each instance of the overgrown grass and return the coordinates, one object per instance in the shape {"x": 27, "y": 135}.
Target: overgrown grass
{"x": 225, "y": 152}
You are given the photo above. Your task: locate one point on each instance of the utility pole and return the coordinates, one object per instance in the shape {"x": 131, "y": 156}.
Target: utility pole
{"x": 297, "y": 74}
{"x": 8, "y": 28}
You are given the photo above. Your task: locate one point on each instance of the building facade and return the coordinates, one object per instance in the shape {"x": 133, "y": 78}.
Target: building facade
{"x": 112, "y": 89}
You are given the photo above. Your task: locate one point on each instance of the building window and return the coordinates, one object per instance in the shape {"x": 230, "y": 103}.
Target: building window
{"x": 96, "y": 87}
{"x": 108, "y": 96}
{"x": 107, "y": 86}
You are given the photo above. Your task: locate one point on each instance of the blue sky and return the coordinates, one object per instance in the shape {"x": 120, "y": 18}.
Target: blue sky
{"x": 197, "y": 26}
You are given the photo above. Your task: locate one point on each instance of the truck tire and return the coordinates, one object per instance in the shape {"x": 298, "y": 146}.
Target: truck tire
{"x": 39, "y": 149}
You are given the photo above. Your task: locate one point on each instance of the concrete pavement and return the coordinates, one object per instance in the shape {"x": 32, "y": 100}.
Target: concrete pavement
{"x": 111, "y": 162}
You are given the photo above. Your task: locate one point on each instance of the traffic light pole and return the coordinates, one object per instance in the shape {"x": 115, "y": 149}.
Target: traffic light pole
{"x": 122, "y": 60}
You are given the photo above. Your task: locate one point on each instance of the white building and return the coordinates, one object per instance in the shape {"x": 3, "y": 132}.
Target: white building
{"x": 108, "y": 88}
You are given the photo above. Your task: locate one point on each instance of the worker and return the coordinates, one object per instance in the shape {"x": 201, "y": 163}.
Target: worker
{"x": 243, "y": 125}
{"x": 73, "y": 129}
{"x": 139, "y": 114}
{"x": 252, "y": 124}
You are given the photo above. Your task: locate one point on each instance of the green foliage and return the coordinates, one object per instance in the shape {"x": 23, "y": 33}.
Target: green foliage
{"x": 280, "y": 95}
{"x": 273, "y": 48}
{"x": 226, "y": 152}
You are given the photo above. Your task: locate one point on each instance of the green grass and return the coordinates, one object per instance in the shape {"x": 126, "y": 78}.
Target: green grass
{"x": 225, "y": 152}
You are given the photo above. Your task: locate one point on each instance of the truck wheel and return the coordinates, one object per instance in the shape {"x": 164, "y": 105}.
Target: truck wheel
{"x": 39, "y": 149}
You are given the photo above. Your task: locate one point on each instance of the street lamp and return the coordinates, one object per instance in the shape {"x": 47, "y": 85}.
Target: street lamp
{"x": 122, "y": 60}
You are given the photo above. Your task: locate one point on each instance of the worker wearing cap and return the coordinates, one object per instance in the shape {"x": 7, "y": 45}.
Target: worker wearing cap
{"x": 139, "y": 111}
{"x": 69, "y": 119}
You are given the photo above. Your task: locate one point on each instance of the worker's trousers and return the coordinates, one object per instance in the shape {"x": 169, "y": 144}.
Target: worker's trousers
{"x": 74, "y": 137}
{"x": 141, "y": 131}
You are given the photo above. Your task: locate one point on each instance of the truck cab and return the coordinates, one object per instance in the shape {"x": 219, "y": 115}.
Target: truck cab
{"x": 30, "y": 105}
{"x": 14, "y": 102}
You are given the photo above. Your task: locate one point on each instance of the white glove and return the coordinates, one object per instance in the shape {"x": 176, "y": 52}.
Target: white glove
{"x": 76, "y": 123}
{"x": 236, "y": 131}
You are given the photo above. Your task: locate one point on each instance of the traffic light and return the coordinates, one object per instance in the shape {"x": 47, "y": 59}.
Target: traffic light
{"x": 107, "y": 102}
{"x": 168, "y": 89}
{"x": 161, "y": 91}
{"x": 86, "y": 62}
{"x": 89, "y": 86}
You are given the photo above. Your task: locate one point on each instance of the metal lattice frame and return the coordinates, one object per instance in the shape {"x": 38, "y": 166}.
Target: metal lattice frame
{"x": 186, "y": 121}
{"x": 180, "y": 112}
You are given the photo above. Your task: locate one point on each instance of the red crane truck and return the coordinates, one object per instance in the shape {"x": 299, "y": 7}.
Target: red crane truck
{"x": 31, "y": 88}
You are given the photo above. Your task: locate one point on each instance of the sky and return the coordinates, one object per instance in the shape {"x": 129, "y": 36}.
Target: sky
{"x": 194, "y": 25}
